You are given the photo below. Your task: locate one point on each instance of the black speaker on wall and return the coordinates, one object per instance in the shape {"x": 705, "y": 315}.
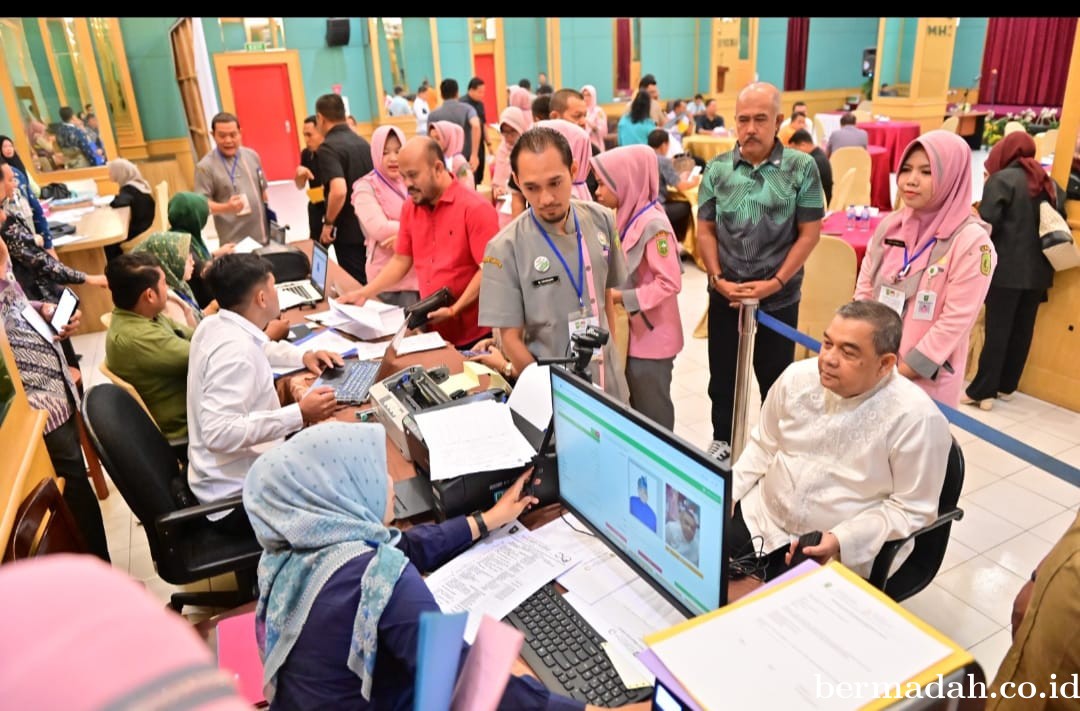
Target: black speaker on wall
{"x": 337, "y": 31}
{"x": 869, "y": 59}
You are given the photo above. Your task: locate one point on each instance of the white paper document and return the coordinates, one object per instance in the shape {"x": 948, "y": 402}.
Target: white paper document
{"x": 327, "y": 340}
{"x": 420, "y": 342}
{"x": 66, "y": 239}
{"x": 246, "y": 245}
{"x": 531, "y": 397}
{"x": 370, "y": 321}
{"x": 474, "y": 437}
{"x": 495, "y": 575}
{"x": 816, "y": 633}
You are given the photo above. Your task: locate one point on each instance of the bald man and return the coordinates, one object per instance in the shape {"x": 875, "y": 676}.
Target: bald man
{"x": 759, "y": 216}
{"x": 444, "y": 231}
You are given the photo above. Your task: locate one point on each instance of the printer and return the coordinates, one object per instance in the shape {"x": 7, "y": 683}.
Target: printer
{"x": 404, "y": 393}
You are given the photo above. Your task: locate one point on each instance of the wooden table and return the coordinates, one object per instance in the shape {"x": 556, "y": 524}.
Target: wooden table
{"x": 102, "y": 227}
{"x": 971, "y": 127}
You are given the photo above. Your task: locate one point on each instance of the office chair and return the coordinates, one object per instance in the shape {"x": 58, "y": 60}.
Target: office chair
{"x": 183, "y": 545}
{"x": 43, "y": 524}
{"x": 930, "y": 541}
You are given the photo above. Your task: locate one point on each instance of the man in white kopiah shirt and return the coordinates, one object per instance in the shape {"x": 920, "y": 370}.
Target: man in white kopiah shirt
{"x": 846, "y": 446}
{"x": 233, "y": 410}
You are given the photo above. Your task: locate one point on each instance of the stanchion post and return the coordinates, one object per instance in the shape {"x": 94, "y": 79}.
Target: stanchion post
{"x": 743, "y": 369}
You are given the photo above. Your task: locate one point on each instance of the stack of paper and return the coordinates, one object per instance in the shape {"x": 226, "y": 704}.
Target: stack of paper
{"x": 489, "y": 443}
{"x": 806, "y": 640}
{"x": 420, "y": 342}
{"x": 370, "y": 321}
{"x": 246, "y": 246}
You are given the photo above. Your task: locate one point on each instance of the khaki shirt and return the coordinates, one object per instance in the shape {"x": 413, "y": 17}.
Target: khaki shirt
{"x": 524, "y": 285}
{"x": 216, "y": 178}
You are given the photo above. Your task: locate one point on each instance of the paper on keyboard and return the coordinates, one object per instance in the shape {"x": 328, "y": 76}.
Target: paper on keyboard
{"x": 420, "y": 342}
{"x": 496, "y": 575}
{"x": 246, "y": 246}
{"x": 327, "y": 340}
{"x": 489, "y": 442}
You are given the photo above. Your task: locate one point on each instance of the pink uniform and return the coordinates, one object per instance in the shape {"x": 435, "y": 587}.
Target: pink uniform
{"x": 500, "y": 172}
{"x": 377, "y": 200}
{"x": 595, "y": 117}
{"x": 652, "y": 252}
{"x": 951, "y": 260}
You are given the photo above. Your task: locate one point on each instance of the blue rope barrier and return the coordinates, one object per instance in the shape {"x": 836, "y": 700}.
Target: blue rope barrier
{"x": 981, "y": 430}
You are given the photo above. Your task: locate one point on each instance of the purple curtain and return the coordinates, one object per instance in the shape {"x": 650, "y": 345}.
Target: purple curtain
{"x": 798, "y": 38}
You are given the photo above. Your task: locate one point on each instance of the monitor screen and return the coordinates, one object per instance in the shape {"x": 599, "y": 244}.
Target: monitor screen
{"x": 319, "y": 259}
{"x": 655, "y": 498}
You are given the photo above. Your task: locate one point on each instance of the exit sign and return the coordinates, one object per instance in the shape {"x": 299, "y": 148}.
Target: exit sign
{"x": 254, "y": 46}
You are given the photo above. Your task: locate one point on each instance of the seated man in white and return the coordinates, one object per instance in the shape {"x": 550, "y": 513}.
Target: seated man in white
{"x": 847, "y": 135}
{"x": 800, "y": 107}
{"x": 845, "y": 445}
{"x": 233, "y": 411}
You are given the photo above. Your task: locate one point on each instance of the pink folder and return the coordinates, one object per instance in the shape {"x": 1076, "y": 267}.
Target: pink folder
{"x": 487, "y": 667}
{"x": 238, "y": 653}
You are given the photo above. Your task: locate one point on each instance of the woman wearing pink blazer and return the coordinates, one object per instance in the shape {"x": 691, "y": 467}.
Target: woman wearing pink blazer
{"x": 932, "y": 262}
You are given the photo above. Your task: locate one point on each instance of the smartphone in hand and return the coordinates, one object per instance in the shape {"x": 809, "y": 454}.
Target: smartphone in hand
{"x": 65, "y": 309}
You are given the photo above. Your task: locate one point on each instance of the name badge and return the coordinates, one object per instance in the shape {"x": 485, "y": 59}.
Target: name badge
{"x": 893, "y": 298}
{"x": 895, "y": 242}
{"x": 924, "y": 306}
{"x": 553, "y": 279}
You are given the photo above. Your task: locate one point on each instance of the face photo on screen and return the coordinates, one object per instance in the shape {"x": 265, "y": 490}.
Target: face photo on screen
{"x": 644, "y": 496}
{"x": 682, "y": 526}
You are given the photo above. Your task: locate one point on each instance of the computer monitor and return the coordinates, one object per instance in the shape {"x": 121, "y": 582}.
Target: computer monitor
{"x": 659, "y": 502}
{"x": 319, "y": 260}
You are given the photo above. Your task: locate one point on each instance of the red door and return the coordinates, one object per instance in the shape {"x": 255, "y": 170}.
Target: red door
{"x": 485, "y": 69}
{"x": 264, "y": 106}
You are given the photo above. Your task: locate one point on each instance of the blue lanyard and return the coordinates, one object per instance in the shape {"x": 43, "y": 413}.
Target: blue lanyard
{"x": 390, "y": 185}
{"x": 578, "y": 285}
{"x": 639, "y": 213}
{"x": 908, "y": 260}
{"x": 232, "y": 171}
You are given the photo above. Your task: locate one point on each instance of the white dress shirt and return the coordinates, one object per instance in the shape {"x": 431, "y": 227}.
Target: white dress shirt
{"x": 867, "y": 468}
{"x": 232, "y": 407}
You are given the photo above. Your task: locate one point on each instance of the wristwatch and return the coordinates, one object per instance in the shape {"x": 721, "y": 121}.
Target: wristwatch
{"x": 508, "y": 369}
{"x": 478, "y": 516}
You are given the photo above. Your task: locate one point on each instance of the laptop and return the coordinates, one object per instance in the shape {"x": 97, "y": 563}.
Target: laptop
{"x": 308, "y": 291}
{"x": 658, "y": 502}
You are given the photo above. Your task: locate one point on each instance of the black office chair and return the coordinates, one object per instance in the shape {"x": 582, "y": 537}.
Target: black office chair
{"x": 930, "y": 541}
{"x": 183, "y": 545}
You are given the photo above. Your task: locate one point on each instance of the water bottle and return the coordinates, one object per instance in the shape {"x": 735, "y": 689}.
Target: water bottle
{"x": 864, "y": 219}
{"x": 851, "y": 217}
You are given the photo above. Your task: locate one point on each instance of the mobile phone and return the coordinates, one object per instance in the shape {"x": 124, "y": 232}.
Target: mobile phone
{"x": 470, "y": 354}
{"x": 807, "y": 539}
{"x": 65, "y": 309}
{"x": 695, "y": 172}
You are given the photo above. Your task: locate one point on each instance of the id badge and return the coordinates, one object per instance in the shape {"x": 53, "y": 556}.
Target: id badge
{"x": 893, "y": 298}
{"x": 579, "y": 321}
{"x": 924, "y": 306}
{"x": 246, "y": 209}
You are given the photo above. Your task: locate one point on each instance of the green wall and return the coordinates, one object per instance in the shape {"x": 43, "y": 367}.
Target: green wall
{"x": 526, "y": 48}
{"x": 42, "y": 81}
{"x": 667, "y": 52}
{"x": 704, "y": 83}
{"x": 454, "y": 58}
{"x": 834, "y": 54}
{"x": 64, "y": 66}
{"x": 772, "y": 49}
{"x": 149, "y": 53}
{"x": 588, "y": 49}
{"x": 416, "y": 45}
{"x": 968, "y": 52}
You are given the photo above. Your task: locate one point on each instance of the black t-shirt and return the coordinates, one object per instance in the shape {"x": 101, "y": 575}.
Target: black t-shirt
{"x": 343, "y": 154}
{"x": 479, "y": 106}
{"x": 704, "y": 123}
{"x": 142, "y": 209}
{"x": 310, "y": 160}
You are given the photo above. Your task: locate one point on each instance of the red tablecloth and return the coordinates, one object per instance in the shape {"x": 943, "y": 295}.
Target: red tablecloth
{"x": 879, "y": 177}
{"x": 893, "y": 135}
{"x": 836, "y": 225}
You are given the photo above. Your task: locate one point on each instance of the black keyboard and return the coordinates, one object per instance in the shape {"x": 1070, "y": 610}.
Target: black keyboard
{"x": 564, "y": 651}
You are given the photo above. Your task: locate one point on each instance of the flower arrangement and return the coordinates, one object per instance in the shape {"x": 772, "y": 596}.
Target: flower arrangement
{"x": 1033, "y": 123}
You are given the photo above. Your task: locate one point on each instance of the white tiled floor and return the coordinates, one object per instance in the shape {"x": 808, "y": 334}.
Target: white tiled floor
{"x": 1013, "y": 512}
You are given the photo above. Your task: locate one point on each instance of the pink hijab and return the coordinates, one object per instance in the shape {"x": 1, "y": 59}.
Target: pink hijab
{"x": 520, "y": 122}
{"x": 595, "y": 116}
{"x": 122, "y": 649}
{"x": 520, "y": 98}
{"x": 390, "y": 193}
{"x": 633, "y": 174}
{"x": 580, "y": 148}
{"x": 950, "y": 201}
{"x": 451, "y": 137}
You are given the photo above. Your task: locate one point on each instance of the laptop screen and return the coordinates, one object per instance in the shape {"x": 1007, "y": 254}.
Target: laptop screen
{"x": 655, "y": 498}
{"x": 319, "y": 259}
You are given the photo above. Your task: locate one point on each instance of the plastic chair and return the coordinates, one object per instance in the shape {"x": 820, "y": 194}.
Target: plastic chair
{"x": 1013, "y": 126}
{"x": 43, "y": 524}
{"x": 862, "y": 116}
{"x": 124, "y": 385}
{"x": 922, "y": 565}
{"x": 819, "y": 131}
{"x": 183, "y": 544}
{"x": 858, "y": 158}
{"x": 841, "y": 194}
{"x": 828, "y": 283}
{"x": 951, "y": 124}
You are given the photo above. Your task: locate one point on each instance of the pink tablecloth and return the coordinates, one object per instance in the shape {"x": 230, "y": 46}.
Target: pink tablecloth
{"x": 879, "y": 177}
{"x": 893, "y": 135}
{"x": 836, "y": 224}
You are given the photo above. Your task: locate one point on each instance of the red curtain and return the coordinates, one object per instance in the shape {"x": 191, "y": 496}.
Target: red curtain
{"x": 1026, "y": 60}
{"x": 622, "y": 54}
{"x": 798, "y": 36}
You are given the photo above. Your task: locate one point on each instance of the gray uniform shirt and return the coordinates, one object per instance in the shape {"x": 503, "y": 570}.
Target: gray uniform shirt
{"x": 216, "y": 178}
{"x": 524, "y": 285}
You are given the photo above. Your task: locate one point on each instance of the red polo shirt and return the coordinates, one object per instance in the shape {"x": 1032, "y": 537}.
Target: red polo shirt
{"x": 446, "y": 243}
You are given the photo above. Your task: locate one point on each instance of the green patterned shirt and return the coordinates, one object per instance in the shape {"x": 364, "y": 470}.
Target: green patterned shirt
{"x": 758, "y": 211}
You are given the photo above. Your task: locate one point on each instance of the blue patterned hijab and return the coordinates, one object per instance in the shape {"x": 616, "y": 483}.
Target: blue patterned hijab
{"x": 316, "y": 502}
